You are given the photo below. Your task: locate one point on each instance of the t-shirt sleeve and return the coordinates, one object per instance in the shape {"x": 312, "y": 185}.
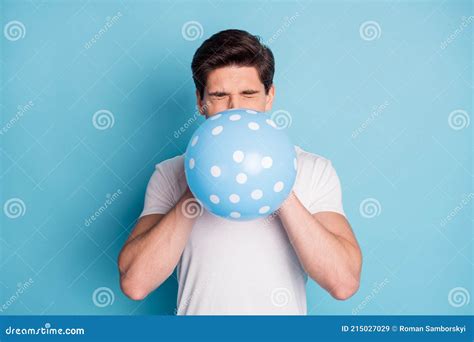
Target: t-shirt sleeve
{"x": 159, "y": 192}
{"x": 326, "y": 191}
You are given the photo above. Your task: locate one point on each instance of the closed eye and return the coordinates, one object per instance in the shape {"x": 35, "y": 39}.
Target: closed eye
{"x": 250, "y": 93}
{"x": 218, "y": 94}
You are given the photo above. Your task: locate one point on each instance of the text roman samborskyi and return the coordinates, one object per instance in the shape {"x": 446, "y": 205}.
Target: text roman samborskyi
{"x": 430, "y": 328}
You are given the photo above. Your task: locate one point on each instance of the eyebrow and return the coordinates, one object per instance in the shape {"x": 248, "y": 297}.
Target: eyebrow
{"x": 244, "y": 92}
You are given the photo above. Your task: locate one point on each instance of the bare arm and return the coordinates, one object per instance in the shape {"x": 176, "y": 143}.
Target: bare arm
{"x": 154, "y": 248}
{"x": 325, "y": 245}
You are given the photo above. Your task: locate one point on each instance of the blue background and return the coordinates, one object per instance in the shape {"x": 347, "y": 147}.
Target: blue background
{"x": 408, "y": 159}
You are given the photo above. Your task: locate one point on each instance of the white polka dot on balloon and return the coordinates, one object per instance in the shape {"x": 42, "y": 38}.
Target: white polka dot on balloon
{"x": 217, "y": 130}
{"x": 234, "y": 198}
{"x": 234, "y": 117}
{"x": 191, "y": 163}
{"x": 256, "y": 194}
{"x": 267, "y": 162}
{"x": 214, "y": 199}
{"x": 278, "y": 186}
{"x": 195, "y": 140}
{"x": 215, "y": 117}
{"x": 215, "y": 171}
{"x": 264, "y": 209}
{"x": 241, "y": 178}
{"x": 253, "y": 126}
{"x": 235, "y": 214}
{"x": 271, "y": 123}
{"x": 250, "y": 111}
{"x": 238, "y": 156}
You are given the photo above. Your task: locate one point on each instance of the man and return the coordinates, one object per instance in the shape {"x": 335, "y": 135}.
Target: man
{"x": 248, "y": 267}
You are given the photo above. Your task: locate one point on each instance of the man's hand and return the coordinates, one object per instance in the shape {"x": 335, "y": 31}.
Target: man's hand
{"x": 155, "y": 246}
{"x": 325, "y": 245}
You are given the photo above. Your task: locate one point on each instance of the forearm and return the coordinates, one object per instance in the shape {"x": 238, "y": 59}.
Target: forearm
{"x": 150, "y": 258}
{"x": 330, "y": 260}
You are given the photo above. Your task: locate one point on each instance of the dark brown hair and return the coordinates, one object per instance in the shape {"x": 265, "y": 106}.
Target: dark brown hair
{"x": 232, "y": 47}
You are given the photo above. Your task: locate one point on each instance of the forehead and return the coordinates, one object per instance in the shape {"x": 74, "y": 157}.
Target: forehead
{"x": 233, "y": 77}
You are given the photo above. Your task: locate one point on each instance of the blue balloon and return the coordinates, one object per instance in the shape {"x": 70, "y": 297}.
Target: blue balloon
{"x": 240, "y": 165}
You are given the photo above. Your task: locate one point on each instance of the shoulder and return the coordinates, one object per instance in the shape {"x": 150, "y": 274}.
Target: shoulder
{"x": 315, "y": 173}
{"x": 317, "y": 183}
{"x": 172, "y": 165}
{"x": 169, "y": 171}
{"x": 312, "y": 163}
{"x": 169, "y": 175}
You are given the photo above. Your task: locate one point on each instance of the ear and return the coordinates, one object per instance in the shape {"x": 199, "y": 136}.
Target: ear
{"x": 269, "y": 98}
{"x": 199, "y": 103}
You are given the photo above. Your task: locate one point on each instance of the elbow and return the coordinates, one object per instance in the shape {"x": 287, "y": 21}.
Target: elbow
{"x": 136, "y": 285}
{"x": 132, "y": 289}
{"x": 349, "y": 284}
{"x": 130, "y": 286}
{"x": 346, "y": 291}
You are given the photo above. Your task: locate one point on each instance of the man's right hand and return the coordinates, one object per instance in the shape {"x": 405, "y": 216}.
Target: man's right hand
{"x": 155, "y": 245}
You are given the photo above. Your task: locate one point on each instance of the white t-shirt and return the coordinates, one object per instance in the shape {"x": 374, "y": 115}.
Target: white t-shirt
{"x": 243, "y": 267}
